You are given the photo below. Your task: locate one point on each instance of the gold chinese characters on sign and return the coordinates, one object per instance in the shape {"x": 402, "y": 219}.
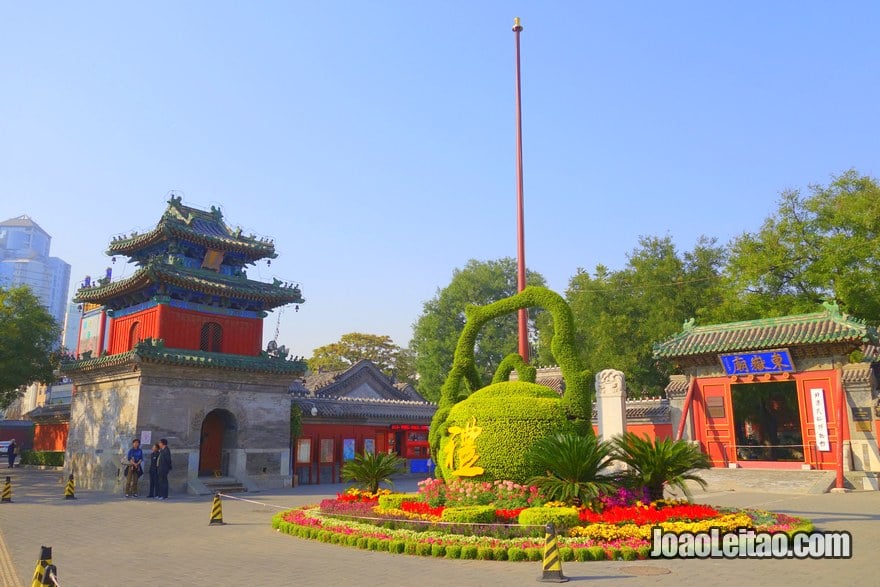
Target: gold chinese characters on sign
{"x": 462, "y": 444}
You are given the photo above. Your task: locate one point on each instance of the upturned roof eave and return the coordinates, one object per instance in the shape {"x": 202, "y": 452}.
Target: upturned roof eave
{"x": 167, "y": 228}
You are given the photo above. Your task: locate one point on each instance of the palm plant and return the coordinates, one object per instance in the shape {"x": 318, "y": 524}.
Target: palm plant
{"x": 654, "y": 464}
{"x": 369, "y": 470}
{"x": 576, "y": 467}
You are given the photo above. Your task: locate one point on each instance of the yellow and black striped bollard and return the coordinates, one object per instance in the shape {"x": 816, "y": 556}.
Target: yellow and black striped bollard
{"x": 216, "y": 511}
{"x": 68, "y": 490}
{"x": 42, "y": 564}
{"x": 552, "y": 563}
{"x": 7, "y": 491}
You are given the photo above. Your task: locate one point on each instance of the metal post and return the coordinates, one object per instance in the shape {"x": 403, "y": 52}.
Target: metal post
{"x": 523, "y": 313}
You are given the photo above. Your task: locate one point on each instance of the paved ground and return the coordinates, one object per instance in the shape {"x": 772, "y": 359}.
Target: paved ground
{"x": 101, "y": 540}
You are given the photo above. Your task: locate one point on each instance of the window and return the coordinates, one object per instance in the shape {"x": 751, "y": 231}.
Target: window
{"x": 212, "y": 337}
{"x": 134, "y": 335}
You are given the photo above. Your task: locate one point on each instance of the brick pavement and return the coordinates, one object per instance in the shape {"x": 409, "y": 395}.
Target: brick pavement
{"x": 102, "y": 539}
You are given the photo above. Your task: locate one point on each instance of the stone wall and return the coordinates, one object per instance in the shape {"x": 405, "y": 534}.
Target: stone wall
{"x": 113, "y": 406}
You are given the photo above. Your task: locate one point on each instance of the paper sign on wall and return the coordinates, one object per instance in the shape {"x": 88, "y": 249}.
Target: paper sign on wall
{"x": 146, "y": 437}
{"x": 820, "y": 422}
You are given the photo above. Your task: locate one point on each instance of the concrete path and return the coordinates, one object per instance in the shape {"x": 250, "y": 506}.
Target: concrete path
{"x": 101, "y": 539}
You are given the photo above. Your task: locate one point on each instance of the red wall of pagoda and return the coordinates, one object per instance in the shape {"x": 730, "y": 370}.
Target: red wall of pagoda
{"x": 182, "y": 329}
{"x": 651, "y": 430}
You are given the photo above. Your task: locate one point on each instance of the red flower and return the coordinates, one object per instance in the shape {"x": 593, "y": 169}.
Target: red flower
{"x": 648, "y": 515}
{"x": 420, "y": 507}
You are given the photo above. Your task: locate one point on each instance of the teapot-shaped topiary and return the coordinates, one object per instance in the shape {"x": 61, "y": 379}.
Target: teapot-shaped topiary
{"x": 485, "y": 433}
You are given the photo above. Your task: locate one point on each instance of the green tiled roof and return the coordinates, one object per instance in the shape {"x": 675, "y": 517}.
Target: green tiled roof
{"x": 820, "y": 328}
{"x": 206, "y": 228}
{"x": 202, "y": 280}
{"x": 154, "y": 351}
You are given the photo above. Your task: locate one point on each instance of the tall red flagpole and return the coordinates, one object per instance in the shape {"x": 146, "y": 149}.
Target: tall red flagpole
{"x": 520, "y": 223}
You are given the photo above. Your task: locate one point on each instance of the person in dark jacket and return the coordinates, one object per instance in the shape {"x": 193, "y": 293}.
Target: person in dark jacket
{"x": 10, "y": 453}
{"x": 163, "y": 466}
{"x": 154, "y": 471}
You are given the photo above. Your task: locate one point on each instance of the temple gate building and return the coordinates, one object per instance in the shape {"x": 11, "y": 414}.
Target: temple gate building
{"x": 778, "y": 392}
{"x": 175, "y": 351}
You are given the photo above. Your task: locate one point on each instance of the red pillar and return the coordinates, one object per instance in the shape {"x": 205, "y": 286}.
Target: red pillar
{"x": 523, "y": 314}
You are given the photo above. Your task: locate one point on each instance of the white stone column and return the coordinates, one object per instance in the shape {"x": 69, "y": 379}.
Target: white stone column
{"x": 285, "y": 462}
{"x": 611, "y": 403}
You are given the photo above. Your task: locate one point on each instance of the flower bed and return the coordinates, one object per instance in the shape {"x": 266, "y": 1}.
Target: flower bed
{"x": 617, "y": 527}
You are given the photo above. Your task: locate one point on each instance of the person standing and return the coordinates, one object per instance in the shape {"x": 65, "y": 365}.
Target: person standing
{"x": 163, "y": 468}
{"x": 154, "y": 471}
{"x": 10, "y": 453}
{"x": 135, "y": 459}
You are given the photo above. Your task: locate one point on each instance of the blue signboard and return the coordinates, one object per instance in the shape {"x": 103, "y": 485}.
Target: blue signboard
{"x": 757, "y": 363}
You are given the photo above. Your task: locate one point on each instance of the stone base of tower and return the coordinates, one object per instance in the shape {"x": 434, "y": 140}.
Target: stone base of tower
{"x": 219, "y": 423}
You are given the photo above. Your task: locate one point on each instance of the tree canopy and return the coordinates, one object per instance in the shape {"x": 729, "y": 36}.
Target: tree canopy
{"x": 436, "y": 331}
{"x": 816, "y": 247}
{"x": 29, "y": 339}
{"x": 357, "y": 346}
{"x": 620, "y": 314}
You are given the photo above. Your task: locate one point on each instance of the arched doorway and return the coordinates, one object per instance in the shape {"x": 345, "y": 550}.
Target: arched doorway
{"x": 218, "y": 432}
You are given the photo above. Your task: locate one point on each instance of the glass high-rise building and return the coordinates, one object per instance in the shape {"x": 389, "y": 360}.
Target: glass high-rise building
{"x": 25, "y": 260}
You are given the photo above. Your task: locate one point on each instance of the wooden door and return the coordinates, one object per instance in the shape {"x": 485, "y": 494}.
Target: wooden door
{"x": 211, "y": 447}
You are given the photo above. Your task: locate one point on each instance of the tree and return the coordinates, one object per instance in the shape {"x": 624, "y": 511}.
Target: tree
{"x": 356, "y": 346}
{"x": 577, "y": 467}
{"x": 656, "y": 464}
{"x": 436, "y": 331}
{"x": 621, "y": 314}
{"x": 824, "y": 246}
{"x": 369, "y": 470}
{"x": 28, "y": 343}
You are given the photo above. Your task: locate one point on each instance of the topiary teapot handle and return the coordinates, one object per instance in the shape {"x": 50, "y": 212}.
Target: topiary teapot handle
{"x": 576, "y": 398}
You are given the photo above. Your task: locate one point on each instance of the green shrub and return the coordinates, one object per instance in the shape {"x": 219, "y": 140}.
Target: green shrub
{"x": 535, "y": 553}
{"x": 469, "y": 551}
{"x": 369, "y": 470}
{"x": 373, "y": 543}
{"x": 334, "y": 538}
{"x": 396, "y": 546}
{"x": 381, "y": 545}
{"x": 469, "y": 514}
{"x": 582, "y": 555}
{"x": 47, "y": 458}
{"x": 423, "y": 548}
{"x": 628, "y": 553}
{"x": 566, "y": 553}
{"x": 657, "y": 463}
{"x": 409, "y": 547}
{"x": 613, "y": 554}
{"x": 484, "y": 553}
{"x": 643, "y": 552}
{"x": 393, "y": 501}
{"x": 453, "y": 551}
{"x": 499, "y": 553}
{"x": 323, "y": 535}
{"x": 351, "y": 540}
{"x": 597, "y": 553}
{"x": 515, "y": 553}
{"x": 562, "y": 518}
{"x": 361, "y": 542}
{"x": 438, "y": 550}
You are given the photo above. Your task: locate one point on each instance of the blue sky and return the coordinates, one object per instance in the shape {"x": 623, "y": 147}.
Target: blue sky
{"x": 375, "y": 142}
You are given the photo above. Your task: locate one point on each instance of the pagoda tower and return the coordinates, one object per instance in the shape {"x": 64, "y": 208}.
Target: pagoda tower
{"x": 175, "y": 351}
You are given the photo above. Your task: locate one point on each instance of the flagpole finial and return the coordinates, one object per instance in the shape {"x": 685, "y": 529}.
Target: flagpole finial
{"x": 516, "y": 24}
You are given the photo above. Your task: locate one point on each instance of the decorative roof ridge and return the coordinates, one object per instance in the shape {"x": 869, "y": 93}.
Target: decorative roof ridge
{"x": 154, "y": 351}
{"x": 363, "y": 400}
{"x": 776, "y": 321}
{"x": 179, "y": 218}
